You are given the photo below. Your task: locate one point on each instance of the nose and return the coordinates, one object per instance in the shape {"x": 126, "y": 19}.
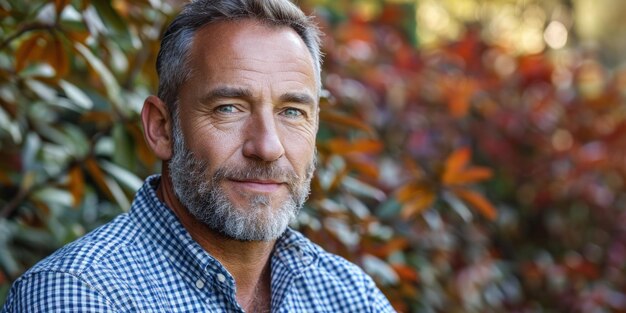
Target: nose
{"x": 263, "y": 141}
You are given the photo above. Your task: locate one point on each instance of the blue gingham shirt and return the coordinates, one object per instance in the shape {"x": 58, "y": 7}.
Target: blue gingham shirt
{"x": 146, "y": 261}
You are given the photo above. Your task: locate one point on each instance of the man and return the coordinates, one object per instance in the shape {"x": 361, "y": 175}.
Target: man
{"x": 235, "y": 124}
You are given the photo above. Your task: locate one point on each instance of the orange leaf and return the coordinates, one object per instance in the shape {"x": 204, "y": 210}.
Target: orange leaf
{"x": 471, "y": 175}
{"x": 399, "y": 305}
{"x": 337, "y": 119}
{"x": 30, "y": 49}
{"x": 57, "y": 58}
{"x": 98, "y": 176}
{"x": 478, "y": 202}
{"x": 78, "y": 36}
{"x": 343, "y": 146}
{"x": 383, "y": 251}
{"x": 412, "y": 190}
{"x": 102, "y": 119}
{"x": 60, "y": 5}
{"x": 456, "y": 162}
{"x": 421, "y": 203}
{"x": 4, "y": 178}
{"x": 461, "y": 93}
{"x": 367, "y": 146}
{"x": 366, "y": 168}
{"x": 412, "y": 167}
{"x": 406, "y": 273}
{"x": 76, "y": 185}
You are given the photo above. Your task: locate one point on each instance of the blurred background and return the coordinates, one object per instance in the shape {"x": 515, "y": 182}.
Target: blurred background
{"x": 472, "y": 153}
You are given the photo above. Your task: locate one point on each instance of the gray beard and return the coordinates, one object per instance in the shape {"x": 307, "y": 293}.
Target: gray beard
{"x": 206, "y": 200}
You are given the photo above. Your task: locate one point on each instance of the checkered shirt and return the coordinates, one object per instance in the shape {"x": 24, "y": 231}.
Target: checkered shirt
{"x": 146, "y": 261}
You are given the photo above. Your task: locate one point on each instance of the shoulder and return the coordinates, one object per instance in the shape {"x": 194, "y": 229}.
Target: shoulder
{"x": 75, "y": 275}
{"x": 330, "y": 280}
{"x": 326, "y": 262}
{"x": 52, "y": 291}
{"x": 95, "y": 248}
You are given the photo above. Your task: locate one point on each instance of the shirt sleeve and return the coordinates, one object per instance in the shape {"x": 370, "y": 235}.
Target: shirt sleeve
{"x": 49, "y": 291}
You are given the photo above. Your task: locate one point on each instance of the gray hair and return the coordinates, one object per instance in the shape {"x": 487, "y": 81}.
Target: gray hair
{"x": 172, "y": 61}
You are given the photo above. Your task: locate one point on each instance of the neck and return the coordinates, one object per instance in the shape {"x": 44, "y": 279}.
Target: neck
{"x": 247, "y": 261}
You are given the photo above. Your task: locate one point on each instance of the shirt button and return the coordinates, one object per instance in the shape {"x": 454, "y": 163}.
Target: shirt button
{"x": 221, "y": 278}
{"x": 199, "y": 283}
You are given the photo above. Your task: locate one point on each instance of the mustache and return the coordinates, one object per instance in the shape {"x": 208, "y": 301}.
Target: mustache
{"x": 258, "y": 171}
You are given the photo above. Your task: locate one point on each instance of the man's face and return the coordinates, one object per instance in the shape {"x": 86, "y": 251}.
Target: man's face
{"x": 244, "y": 151}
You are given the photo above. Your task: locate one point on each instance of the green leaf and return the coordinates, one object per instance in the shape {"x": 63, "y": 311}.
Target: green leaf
{"x": 10, "y": 127}
{"x": 52, "y": 195}
{"x": 78, "y": 97}
{"x": 54, "y": 158}
{"x": 7, "y": 259}
{"x": 105, "y": 147}
{"x": 123, "y": 153}
{"x": 32, "y": 146}
{"x": 358, "y": 187}
{"x": 111, "y": 85}
{"x": 356, "y": 206}
{"x": 380, "y": 270}
{"x": 58, "y": 229}
{"x": 75, "y": 140}
{"x": 458, "y": 206}
{"x": 43, "y": 91}
{"x": 117, "y": 193}
{"x": 114, "y": 22}
{"x": 389, "y": 208}
{"x": 123, "y": 176}
{"x": 36, "y": 238}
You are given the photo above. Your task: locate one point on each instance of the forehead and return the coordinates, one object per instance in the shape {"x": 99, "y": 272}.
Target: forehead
{"x": 250, "y": 43}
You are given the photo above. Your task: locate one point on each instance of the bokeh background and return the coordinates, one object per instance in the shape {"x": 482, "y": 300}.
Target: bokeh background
{"x": 472, "y": 153}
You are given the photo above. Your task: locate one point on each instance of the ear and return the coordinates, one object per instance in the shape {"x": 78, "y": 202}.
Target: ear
{"x": 157, "y": 127}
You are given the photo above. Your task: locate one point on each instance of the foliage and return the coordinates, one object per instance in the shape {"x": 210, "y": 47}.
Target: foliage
{"x": 397, "y": 189}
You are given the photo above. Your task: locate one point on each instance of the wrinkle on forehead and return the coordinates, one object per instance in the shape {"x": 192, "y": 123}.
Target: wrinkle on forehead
{"x": 251, "y": 34}
{"x": 248, "y": 48}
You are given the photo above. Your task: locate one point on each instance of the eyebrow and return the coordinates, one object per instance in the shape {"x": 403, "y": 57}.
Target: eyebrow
{"x": 297, "y": 97}
{"x": 226, "y": 92}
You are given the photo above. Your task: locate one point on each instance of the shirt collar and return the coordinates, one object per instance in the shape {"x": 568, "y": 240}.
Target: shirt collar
{"x": 164, "y": 229}
{"x": 292, "y": 251}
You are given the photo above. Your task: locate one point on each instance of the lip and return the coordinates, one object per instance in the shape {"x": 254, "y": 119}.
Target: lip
{"x": 260, "y": 186}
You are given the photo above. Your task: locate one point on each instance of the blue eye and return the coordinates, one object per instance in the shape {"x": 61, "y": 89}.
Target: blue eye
{"x": 291, "y": 112}
{"x": 228, "y": 108}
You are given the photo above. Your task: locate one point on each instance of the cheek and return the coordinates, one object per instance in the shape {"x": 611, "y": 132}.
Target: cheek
{"x": 303, "y": 134}
{"x": 300, "y": 149}
{"x": 214, "y": 145}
